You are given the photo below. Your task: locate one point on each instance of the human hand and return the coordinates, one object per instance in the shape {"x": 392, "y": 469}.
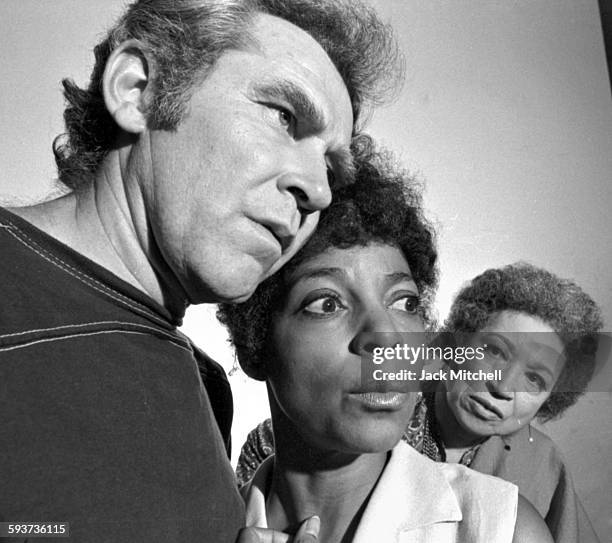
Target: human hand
{"x": 308, "y": 532}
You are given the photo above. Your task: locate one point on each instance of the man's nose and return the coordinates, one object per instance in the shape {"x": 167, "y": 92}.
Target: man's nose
{"x": 306, "y": 179}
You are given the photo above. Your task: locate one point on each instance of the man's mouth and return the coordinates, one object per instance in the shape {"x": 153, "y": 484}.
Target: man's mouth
{"x": 282, "y": 232}
{"x": 284, "y": 241}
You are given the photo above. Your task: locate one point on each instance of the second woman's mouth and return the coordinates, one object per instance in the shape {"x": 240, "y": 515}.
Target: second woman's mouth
{"x": 485, "y": 409}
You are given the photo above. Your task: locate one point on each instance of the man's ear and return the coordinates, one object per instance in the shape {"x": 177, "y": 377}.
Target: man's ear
{"x": 124, "y": 86}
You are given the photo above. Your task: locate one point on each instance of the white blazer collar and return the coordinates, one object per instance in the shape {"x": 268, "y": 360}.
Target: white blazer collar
{"x": 412, "y": 492}
{"x": 254, "y": 497}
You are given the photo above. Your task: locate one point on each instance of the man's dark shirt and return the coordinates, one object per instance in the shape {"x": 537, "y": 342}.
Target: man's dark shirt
{"x": 105, "y": 421}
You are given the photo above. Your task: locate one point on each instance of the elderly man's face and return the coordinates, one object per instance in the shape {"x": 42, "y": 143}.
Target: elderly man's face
{"x": 236, "y": 188}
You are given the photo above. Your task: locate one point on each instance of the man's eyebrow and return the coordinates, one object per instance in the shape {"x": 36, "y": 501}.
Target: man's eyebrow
{"x": 294, "y": 95}
{"x": 341, "y": 158}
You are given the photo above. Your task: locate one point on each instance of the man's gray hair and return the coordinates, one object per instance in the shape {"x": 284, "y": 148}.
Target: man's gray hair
{"x": 184, "y": 38}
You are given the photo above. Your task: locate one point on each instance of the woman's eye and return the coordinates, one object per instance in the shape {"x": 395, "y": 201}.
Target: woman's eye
{"x": 324, "y": 306}
{"x": 495, "y": 351}
{"x": 536, "y": 380}
{"x": 409, "y": 303}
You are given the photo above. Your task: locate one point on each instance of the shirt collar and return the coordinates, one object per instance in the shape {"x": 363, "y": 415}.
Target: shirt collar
{"x": 254, "y": 495}
{"x": 412, "y": 492}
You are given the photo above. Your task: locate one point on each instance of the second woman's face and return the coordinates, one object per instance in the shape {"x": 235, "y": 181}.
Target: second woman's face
{"x": 340, "y": 305}
{"x": 529, "y": 355}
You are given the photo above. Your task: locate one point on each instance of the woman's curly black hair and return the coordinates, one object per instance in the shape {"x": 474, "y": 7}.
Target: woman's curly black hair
{"x": 382, "y": 205}
{"x": 560, "y": 303}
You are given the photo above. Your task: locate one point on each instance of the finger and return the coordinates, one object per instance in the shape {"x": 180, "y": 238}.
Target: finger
{"x": 262, "y": 535}
{"x": 309, "y": 531}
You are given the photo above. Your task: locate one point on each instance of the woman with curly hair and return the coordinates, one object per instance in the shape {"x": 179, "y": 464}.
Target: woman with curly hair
{"x": 541, "y": 331}
{"x": 365, "y": 276}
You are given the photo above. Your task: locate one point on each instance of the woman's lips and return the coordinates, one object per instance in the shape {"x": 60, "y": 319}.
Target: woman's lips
{"x": 389, "y": 401}
{"x": 484, "y": 409}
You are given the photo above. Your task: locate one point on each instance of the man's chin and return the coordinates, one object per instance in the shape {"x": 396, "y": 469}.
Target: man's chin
{"x": 238, "y": 299}
{"x": 228, "y": 291}
{"x": 239, "y": 291}
{"x": 306, "y": 230}
{"x": 284, "y": 258}
{"x": 240, "y": 283}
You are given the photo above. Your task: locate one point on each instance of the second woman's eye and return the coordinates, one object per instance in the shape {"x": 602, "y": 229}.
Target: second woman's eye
{"x": 325, "y": 305}
{"x": 408, "y": 303}
{"x": 536, "y": 381}
{"x": 495, "y": 351}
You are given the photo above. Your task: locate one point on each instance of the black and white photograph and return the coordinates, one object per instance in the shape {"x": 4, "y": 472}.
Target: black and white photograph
{"x": 333, "y": 271}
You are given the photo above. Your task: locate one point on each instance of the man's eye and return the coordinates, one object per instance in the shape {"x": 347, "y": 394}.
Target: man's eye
{"x": 409, "y": 303}
{"x": 285, "y": 117}
{"x": 326, "y": 305}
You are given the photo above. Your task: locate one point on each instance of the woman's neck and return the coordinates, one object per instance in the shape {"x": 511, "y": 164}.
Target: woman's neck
{"x": 334, "y": 486}
{"x": 455, "y": 438}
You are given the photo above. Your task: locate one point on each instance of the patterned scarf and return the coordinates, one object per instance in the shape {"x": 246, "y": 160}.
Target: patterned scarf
{"x": 422, "y": 433}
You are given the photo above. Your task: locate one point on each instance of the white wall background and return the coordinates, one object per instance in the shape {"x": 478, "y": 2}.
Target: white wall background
{"x": 506, "y": 113}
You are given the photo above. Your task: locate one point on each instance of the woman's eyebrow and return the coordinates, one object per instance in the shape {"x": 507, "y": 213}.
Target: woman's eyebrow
{"x": 398, "y": 277}
{"x": 538, "y": 366}
{"x": 322, "y": 272}
{"x": 504, "y": 339}
{"x": 315, "y": 273}
{"x": 536, "y": 362}
{"x": 395, "y": 278}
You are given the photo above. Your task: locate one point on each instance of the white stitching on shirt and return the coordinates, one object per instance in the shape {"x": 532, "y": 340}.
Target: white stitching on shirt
{"x": 74, "y": 336}
{"x": 86, "y": 279}
{"x": 98, "y": 323}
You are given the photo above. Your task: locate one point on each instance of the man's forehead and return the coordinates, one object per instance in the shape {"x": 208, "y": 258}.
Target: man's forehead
{"x": 275, "y": 33}
{"x": 283, "y": 42}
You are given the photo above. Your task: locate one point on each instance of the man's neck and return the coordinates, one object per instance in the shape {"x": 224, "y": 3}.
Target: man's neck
{"x": 106, "y": 222}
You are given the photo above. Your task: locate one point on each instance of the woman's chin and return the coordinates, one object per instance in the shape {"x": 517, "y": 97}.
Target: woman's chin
{"x": 374, "y": 441}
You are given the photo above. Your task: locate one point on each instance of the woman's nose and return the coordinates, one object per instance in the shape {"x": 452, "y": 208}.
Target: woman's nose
{"x": 379, "y": 330}
{"x": 505, "y": 387}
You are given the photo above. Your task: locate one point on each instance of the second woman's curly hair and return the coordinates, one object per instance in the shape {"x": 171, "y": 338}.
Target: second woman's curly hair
{"x": 383, "y": 205}
{"x": 536, "y": 292}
